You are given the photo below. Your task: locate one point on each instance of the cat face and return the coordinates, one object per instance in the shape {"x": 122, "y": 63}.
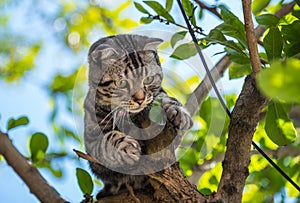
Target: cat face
{"x": 131, "y": 83}
{"x": 125, "y": 71}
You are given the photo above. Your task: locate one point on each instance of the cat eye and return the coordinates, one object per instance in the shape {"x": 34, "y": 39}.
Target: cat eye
{"x": 148, "y": 80}
{"x": 121, "y": 83}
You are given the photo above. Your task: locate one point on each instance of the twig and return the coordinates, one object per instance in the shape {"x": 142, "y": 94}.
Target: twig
{"x": 251, "y": 41}
{"x": 209, "y": 8}
{"x": 29, "y": 174}
{"x": 86, "y": 156}
{"x": 162, "y": 20}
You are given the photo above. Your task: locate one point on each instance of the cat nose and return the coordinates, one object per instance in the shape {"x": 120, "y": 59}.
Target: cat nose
{"x": 139, "y": 97}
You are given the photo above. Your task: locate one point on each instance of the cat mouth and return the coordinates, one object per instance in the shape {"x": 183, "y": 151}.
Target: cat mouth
{"x": 136, "y": 107}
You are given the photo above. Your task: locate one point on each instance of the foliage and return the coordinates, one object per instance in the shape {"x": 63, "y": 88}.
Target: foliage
{"x": 73, "y": 25}
{"x": 13, "y": 123}
{"x": 280, "y": 42}
{"x": 38, "y": 145}
{"x": 85, "y": 181}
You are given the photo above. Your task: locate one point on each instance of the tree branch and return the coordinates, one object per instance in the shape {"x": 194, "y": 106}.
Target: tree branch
{"x": 195, "y": 99}
{"x": 251, "y": 41}
{"x": 244, "y": 119}
{"x": 29, "y": 174}
{"x": 211, "y": 9}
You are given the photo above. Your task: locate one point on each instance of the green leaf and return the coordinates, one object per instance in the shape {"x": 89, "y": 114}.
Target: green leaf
{"x": 297, "y": 2}
{"x": 140, "y": 8}
{"x": 259, "y": 5}
{"x": 157, "y": 113}
{"x": 169, "y": 4}
{"x": 70, "y": 133}
{"x": 159, "y": 9}
{"x": 293, "y": 50}
{"x": 291, "y": 32}
{"x": 190, "y": 157}
{"x": 188, "y": 7}
{"x": 267, "y": 20}
{"x": 232, "y": 31}
{"x": 184, "y": 51}
{"x": 13, "y": 123}
{"x": 146, "y": 20}
{"x": 281, "y": 80}
{"x": 84, "y": 181}
{"x": 38, "y": 145}
{"x": 238, "y": 58}
{"x": 200, "y": 13}
{"x": 273, "y": 43}
{"x": 241, "y": 66}
{"x": 176, "y": 37}
{"x": 216, "y": 36}
{"x": 296, "y": 13}
{"x": 205, "y": 191}
{"x": 279, "y": 127}
{"x": 63, "y": 83}
{"x": 239, "y": 70}
{"x": 232, "y": 26}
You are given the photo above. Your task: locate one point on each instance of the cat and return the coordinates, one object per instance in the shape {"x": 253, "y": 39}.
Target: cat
{"x": 125, "y": 77}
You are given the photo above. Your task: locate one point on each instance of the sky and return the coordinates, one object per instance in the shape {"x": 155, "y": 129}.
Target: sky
{"x": 27, "y": 98}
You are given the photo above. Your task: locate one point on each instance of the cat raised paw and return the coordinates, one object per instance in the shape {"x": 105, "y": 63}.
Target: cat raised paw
{"x": 177, "y": 115}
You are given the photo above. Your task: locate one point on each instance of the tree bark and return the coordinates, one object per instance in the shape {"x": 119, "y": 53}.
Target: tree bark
{"x": 30, "y": 175}
{"x": 244, "y": 119}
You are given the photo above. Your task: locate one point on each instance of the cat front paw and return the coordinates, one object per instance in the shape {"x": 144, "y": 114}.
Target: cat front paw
{"x": 130, "y": 150}
{"x": 120, "y": 149}
{"x": 177, "y": 115}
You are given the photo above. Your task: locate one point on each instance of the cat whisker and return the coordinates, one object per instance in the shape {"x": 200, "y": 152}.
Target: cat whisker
{"x": 107, "y": 122}
{"x": 123, "y": 120}
{"x": 110, "y": 113}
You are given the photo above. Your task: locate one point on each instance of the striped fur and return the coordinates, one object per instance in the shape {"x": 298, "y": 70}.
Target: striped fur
{"x": 124, "y": 80}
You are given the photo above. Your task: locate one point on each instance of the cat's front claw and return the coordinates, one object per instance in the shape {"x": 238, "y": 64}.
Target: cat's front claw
{"x": 130, "y": 150}
{"x": 177, "y": 115}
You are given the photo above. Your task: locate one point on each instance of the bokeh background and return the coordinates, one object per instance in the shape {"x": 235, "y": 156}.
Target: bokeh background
{"x": 43, "y": 63}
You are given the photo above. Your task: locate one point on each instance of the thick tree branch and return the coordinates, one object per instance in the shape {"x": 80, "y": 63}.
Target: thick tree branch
{"x": 244, "y": 119}
{"x": 29, "y": 174}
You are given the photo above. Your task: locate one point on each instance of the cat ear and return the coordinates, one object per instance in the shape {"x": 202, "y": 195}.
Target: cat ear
{"x": 152, "y": 44}
{"x": 102, "y": 53}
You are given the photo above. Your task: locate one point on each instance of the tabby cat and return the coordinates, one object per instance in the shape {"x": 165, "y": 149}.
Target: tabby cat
{"x": 124, "y": 81}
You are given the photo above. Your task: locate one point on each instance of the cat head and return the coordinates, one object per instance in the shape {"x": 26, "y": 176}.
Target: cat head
{"x": 125, "y": 71}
